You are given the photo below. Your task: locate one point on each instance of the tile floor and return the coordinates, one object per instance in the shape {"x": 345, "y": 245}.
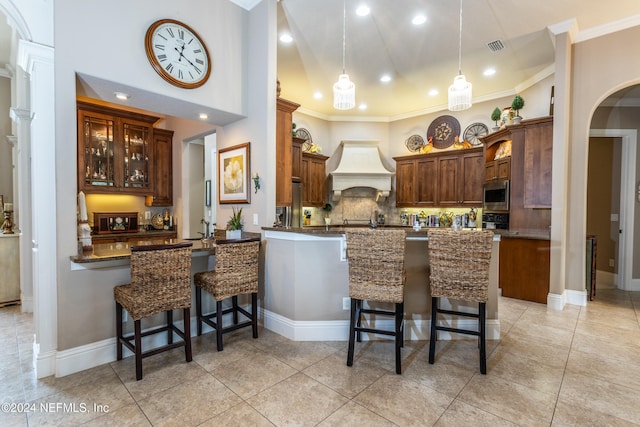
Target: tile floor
{"x": 580, "y": 366}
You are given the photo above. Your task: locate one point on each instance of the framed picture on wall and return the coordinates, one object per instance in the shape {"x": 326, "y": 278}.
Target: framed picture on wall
{"x": 234, "y": 171}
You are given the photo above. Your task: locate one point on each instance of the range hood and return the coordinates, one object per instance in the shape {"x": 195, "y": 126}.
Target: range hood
{"x": 361, "y": 166}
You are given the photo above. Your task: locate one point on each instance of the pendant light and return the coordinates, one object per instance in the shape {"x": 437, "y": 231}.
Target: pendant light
{"x": 460, "y": 90}
{"x": 344, "y": 90}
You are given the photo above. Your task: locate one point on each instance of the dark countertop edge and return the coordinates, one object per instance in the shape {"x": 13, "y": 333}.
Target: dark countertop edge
{"x": 339, "y": 229}
{"x": 89, "y": 257}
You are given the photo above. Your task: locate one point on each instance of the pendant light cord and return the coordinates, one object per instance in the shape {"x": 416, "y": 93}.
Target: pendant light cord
{"x": 460, "y": 43}
{"x": 344, "y": 33}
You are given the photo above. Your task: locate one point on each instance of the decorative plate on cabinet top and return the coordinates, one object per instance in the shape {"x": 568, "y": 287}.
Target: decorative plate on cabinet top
{"x": 474, "y": 132}
{"x": 414, "y": 143}
{"x": 157, "y": 222}
{"x": 444, "y": 130}
{"x": 304, "y": 134}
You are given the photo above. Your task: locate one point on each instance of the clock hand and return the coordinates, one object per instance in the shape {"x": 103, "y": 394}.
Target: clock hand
{"x": 182, "y": 56}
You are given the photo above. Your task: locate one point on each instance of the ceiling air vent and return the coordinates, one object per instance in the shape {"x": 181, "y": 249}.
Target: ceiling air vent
{"x": 495, "y": 45}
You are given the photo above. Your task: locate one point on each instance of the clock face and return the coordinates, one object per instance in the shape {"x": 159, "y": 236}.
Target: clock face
{"x": 177, "y": 53}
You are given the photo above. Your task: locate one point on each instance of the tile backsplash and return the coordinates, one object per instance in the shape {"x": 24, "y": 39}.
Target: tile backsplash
{"x": 358, "y": 205}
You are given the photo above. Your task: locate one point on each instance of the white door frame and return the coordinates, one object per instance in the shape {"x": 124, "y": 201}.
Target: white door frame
{"x": 627, "y": 203}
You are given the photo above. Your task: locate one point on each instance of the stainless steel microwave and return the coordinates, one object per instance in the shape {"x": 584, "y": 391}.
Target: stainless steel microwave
{"x": 495, "y": 197}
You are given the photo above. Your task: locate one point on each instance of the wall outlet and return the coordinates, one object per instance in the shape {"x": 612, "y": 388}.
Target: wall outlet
{"x": 612, "y": 262}
{"x": 346, "y": 303}
{"x": 255, "y": 219}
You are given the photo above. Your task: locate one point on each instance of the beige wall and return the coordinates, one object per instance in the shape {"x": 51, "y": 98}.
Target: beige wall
{"x": 601, "y": 66}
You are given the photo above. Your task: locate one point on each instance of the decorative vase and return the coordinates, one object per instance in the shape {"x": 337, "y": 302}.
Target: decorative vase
{"x": 233, "y": 234}
{"x": 516, "y": 120}
{"x": 495, "y": 128}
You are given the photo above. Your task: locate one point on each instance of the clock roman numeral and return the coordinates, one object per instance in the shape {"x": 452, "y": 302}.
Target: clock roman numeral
{"x": 181, "y": 34}
{"x": 200, "y": 61}
{"x": 191, "y": 75}
{"x": 158, "y": 46}
{"x": 169, "y": 68}
{"x": 197, "y": 50}
{"x": 170, "y": 31}
{"x": 189, "y": 42}
{"x": 163, "y": 37}
{"x": 197, "y": 69}
{"x": 162, "y": 57}
{"x": 180, "y": 74}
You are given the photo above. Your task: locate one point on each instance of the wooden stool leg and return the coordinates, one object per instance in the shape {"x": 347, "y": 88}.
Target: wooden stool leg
{"x": 219, "y": 325}
{"x": 399, "y": 338}
{"x": 169, "y": 326}
{"x": 199, "y": 310}
{"x": 234, "y": 303}
{"x": 118, "y": 331}
{"x": 186, "y": 314}
{"x": 359, "y": 319}
{"x": 352, "y": 332}
{"x": 138, "y": 342}
{"x": 433, "y": 336}
{"x": 483, "y": 347}
{"x": 254, "y": 314}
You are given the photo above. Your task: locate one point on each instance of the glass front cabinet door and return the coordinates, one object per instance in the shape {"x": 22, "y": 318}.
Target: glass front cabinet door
{"x": 114, "y": 150}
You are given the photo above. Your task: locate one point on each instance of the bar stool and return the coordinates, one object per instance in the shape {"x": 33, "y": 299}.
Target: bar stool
{"x": 160, "y": 282}
{"x": 376, "y": 273}
{"x": 459, "y": 262}
{"x": 235, "y": 273}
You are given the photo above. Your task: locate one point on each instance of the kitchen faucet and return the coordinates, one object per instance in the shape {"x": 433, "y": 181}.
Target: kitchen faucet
{"x": 206, "y": 223}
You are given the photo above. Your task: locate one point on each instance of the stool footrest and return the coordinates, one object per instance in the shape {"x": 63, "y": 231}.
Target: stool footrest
{"x": 459, "y": 313}
{"x": 460, "y": 331}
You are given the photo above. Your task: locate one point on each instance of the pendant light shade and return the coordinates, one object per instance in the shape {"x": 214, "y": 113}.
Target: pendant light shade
{"x": 460, "y": 91}
{"x": 344, "y": 90}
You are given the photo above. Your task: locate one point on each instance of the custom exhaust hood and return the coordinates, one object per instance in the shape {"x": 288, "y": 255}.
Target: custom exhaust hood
{"x": 361, "y": 166}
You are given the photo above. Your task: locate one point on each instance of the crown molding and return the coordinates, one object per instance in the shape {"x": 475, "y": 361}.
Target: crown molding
{"x": 246, "y": 4}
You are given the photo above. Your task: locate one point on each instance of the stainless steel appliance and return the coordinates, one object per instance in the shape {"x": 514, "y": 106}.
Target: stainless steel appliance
{"x": 495, "y": 197}
{"x": 498, "y": 221}
{"x": 291, "y": 216}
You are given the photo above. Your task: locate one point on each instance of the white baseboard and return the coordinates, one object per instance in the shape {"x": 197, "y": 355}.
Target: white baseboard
{"x": 556, "y": 301}
{"x": 606, "y": 279}
{"x": 338, "y": 330}
{"x": 634, "y": 285}
{"x": 576, "y": 297}
{"x": 44, "y": 363}
{"x": 26, "y": 304}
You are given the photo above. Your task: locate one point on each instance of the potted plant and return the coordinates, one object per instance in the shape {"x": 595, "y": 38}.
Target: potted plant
{"x": 234, "y": 225}
{"x": 517, "y": 104}
{"x": 495, "y": 116}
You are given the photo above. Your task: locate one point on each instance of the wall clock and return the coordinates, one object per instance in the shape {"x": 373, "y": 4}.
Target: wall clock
{"x": 177, "y": 53}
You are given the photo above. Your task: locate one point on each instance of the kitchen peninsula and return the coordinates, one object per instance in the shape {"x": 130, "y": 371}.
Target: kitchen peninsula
{"x": 306, "y": 285}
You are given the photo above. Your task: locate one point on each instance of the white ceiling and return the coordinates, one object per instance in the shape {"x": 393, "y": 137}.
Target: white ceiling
{"x": 418, "y": 58}
{"x": 426, "y": 57}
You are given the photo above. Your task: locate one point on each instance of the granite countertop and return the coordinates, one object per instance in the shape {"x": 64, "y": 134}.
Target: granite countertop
{"x": 339, "y": 229}
{"x": 122, "y": 250}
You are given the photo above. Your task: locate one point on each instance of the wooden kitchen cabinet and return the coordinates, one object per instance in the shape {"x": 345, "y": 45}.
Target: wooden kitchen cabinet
{"x": 313, "y": 180}
{"x": 284, "y": 138}
{"x": 524, "y": 268}
{"x": 163, "y": 167}
{"x": 449, "y": 178}
{"x": 529, "y": 172}
{"x": 296, "y": 159}
{"x": 115, "y": 150}
{"x": 538, "y": 157}
{"x": 498, "y": 170}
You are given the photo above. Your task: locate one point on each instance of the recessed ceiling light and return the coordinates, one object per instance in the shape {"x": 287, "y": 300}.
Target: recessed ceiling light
{"x": 386, "y": 78}
{"x": 419, "y": 19}
{"x": 362, "y": 106}
{"x": 433, "y": 92}
{"x": 286, "y": 38}
{"x": 317, "y": 95}
{"x": 363, "y": 10}
{"x": 121, "y": 95}
{"x": 489, "y": 72}
{"x": 203, "y": 116}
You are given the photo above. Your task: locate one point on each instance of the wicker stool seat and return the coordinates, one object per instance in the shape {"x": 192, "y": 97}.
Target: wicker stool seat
{"x": 160, "y": 282}
{"x": 235, "y": 273}
{"x": 376, "y": 273}
{"x": 468, "y": 281}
